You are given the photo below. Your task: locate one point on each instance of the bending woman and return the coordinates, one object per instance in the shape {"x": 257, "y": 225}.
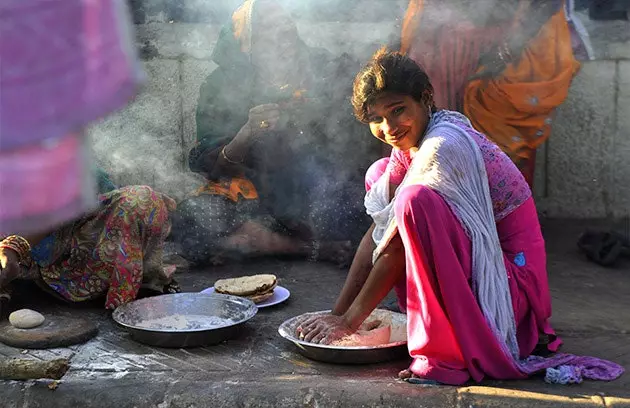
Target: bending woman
{"x": 109, "y": 253}
{"x": 456, "y": 234}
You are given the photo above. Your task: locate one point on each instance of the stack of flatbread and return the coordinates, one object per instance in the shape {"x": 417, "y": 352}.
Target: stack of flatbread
{"x": 256, "y": 288}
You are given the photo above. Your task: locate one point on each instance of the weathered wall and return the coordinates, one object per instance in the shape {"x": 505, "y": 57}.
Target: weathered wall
{"x": 583, "y": 171}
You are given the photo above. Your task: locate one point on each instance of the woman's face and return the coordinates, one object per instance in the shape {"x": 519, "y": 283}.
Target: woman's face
{"x": 274, "y": 43}
{"x": 398, "y": 120}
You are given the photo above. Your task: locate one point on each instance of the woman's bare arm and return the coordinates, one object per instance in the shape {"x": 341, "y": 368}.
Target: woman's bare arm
{"x": 358, "y": 274}
{"x": 387, "y": 271}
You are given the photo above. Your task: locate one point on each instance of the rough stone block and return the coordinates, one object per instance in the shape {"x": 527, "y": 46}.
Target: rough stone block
{"x": 115, "y": 393}
{"x": 610, "y": 39}
{"x": 177, "y": 40}
{"x": 12, "y": 393}
{"x": 614, "y": 402}
{"x": 499, "y": 397}
{"x": 620, "y": 155}
{"x": 194, "y": 74}
{"x": 357, "y": 39}
{"x": 297, "y": 391}
{"x": 540, "y": 175}
{"x": 578, "y": 170}
{"x": 142, "y": 144}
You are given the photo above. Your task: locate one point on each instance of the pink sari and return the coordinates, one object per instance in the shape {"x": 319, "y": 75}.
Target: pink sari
{"x": 449, "y": 338}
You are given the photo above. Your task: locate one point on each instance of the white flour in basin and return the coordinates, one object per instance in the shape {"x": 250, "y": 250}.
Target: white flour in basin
{"x": 381, "y": 327}
{"x": 184, "y": 322}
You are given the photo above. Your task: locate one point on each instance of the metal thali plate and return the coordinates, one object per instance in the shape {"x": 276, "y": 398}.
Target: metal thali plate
{"x": 185, "y": 319}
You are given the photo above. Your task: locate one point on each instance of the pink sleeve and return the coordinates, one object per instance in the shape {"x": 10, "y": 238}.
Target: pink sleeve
{"x": 397, "y": 167}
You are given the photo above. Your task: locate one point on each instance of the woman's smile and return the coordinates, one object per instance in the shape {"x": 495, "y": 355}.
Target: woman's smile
{"x": 398, "y": 120}
{"x": 396, "y": 137}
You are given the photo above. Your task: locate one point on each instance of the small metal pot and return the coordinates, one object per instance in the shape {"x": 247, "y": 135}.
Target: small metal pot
{"x": 232, "y": 311}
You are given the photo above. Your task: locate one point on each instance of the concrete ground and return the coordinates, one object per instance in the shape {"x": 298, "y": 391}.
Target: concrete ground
{"x": 260, "y": 369}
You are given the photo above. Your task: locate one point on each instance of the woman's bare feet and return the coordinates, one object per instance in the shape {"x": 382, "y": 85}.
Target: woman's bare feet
{"x": 255, "y": 239}
{"x": 410, "y": 377}
{"x": 404, "y": 374}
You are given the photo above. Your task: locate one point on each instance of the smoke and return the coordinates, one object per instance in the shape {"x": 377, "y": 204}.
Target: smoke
{"x": 147, "y": 143}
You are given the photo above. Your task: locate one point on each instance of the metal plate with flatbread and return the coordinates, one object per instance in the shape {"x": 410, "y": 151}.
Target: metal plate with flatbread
{"x": 56, "y": 331}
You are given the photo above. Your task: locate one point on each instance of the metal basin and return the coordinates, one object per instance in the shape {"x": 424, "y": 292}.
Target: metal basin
{"x": 347, "y": 355}
{"x": 185, "y": 319}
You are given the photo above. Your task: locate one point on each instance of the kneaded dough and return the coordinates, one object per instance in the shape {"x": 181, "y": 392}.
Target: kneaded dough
{"x": 367, "y": 338}
{"x": 26, "y": 319}
{"x": 376, "y": 330}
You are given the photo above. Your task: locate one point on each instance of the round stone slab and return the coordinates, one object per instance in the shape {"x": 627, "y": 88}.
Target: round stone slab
{"x": 56, "y": 331}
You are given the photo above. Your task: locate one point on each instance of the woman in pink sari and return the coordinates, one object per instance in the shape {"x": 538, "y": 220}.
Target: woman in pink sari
{"x": 456, "y": 234}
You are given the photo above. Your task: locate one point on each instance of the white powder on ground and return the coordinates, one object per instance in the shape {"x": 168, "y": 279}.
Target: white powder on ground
{"x": 185, "y": 322}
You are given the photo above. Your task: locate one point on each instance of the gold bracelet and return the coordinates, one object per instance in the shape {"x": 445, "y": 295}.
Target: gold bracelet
{"x": 227, "y": 158}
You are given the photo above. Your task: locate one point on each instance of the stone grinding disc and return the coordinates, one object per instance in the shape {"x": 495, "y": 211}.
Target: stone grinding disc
{"x": 56, "y": 331}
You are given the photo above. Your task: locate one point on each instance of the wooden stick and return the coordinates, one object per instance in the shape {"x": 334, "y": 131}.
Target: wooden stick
{"x": 26, "y": 369}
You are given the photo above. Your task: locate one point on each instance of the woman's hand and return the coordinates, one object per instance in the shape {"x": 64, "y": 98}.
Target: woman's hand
{"x": 323, "y": 329}
{"x": 263, "y": 118}
{"x": 9, "y": 266}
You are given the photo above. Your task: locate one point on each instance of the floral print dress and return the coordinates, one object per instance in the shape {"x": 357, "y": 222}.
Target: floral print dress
{"x": 111, "y": 252}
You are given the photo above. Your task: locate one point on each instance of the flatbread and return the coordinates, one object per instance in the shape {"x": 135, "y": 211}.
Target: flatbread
{"x": 247, "y": 285}
{"x": 260, "y": 298}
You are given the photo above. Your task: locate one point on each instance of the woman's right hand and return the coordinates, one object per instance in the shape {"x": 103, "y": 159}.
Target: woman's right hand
{"x": 323, "y": 329}
{"x": 263, "y": 118}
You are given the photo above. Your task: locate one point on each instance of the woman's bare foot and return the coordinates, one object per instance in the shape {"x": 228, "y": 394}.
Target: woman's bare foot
{"x": 217, "y": 260}
{"x": 404, "y": 374}
{"x": 407, "y": 375}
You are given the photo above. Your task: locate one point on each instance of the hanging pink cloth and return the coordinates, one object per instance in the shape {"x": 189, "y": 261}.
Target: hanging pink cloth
{"x": 64, "y": 64}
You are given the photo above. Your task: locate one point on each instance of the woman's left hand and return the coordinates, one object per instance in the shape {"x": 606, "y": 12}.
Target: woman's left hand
{"x": 9, "y": 266}
{"x": 323, "y": 329}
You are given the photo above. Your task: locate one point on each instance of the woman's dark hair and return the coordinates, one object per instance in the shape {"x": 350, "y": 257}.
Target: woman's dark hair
{"x": 392, "y": 72}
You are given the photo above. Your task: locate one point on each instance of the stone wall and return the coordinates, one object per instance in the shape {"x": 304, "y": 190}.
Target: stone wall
{"x": 583, "y": 171}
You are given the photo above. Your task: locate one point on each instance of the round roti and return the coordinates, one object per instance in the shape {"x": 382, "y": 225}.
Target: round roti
{"x": 246, "y": 285}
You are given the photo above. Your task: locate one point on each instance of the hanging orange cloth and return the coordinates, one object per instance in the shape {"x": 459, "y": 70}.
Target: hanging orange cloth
{"x": 515, "y": 109}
